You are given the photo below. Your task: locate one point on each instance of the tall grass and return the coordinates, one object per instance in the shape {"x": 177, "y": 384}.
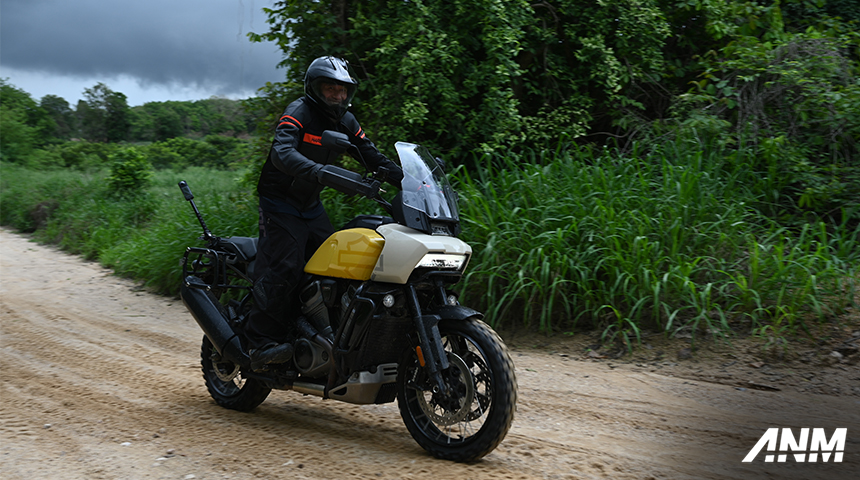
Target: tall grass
{"x": 142, "y": 237}
{"x": 562, "y": 239}
{"x": 575, "y": 238}
{"x": 152, "y": 253}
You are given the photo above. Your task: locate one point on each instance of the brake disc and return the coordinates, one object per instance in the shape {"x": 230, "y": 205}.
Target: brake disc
{"x": 443, "y": 415}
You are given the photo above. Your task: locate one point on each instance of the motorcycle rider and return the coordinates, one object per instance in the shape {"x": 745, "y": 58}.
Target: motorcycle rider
{"x": 293, "y": 222}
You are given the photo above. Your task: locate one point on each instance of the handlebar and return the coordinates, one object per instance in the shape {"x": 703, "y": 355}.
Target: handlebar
{"x": 347, "y": 181}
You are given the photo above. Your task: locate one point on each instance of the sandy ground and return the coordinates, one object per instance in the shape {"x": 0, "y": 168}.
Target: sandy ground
{"x": 101, "y": 380}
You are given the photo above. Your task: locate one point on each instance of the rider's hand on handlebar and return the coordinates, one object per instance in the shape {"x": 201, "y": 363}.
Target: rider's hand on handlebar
{"x": 392, "y": 176}
{"x": 369, "y": 188}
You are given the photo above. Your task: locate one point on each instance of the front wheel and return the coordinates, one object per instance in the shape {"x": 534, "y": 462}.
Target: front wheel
{"x": 225, "y": 382}
{"x": 474, "y": 415}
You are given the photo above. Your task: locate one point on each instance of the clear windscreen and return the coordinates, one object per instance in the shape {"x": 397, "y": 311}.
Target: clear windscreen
{"x": 425, "y": 186}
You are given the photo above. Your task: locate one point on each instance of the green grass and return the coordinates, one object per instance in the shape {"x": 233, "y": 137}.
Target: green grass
{"x": 141, "y": 237}
{"x": 152, "y": 253}
{"x": 562, "y": 240}
{"x": 600, "y": 240}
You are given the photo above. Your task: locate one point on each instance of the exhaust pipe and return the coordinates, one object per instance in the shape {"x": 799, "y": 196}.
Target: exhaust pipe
{"x": 211, "y": 317}
{"x": 308, "y": 388}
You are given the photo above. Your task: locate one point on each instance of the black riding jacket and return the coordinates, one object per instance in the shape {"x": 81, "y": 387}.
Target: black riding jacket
{"x": 288, "y": 182}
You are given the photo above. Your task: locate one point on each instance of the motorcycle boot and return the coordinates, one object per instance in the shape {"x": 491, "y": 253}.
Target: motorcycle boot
{"x": 270, "y": 354}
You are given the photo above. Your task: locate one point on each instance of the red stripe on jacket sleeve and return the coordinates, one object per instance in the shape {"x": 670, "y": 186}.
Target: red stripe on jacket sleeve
{"x": 291, "y": 118}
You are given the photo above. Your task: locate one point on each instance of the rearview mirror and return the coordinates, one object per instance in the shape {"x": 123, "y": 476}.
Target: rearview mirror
{"x": 336, "y": 141}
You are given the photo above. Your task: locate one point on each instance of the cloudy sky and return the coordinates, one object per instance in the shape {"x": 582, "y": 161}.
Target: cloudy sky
{"x": 150, "y": 50}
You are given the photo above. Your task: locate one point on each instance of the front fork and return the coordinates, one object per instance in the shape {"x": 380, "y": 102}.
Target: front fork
{"x": 431, "y": 353}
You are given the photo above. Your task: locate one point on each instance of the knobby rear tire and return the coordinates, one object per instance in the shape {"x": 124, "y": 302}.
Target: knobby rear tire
{"x": 242, "y": 394}
{"x": 446, "y": 426}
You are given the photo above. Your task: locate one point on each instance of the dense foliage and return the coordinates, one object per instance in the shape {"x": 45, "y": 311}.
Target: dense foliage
{"x": 24, "y": 125}
{"x": 477, "y": 76}
{"x": 472, "y": 75}
{"x": 103, "y": 115}
{"x": 683, "y": 165}
{"x": 49, "y": 134}
{"x": 160, "y": 121}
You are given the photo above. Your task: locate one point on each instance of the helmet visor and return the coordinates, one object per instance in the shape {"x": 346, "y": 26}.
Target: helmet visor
{"x": 333, "y": 95}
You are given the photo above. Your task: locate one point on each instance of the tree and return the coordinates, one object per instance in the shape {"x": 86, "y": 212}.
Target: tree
{"x": 588, "y": 64}
{"x": 18, "y": 139}
{"x": 103, "y": 115}
{"x": 160, "y": 121}
{"x": 60, "y": 111}
{"x": 779, "y": 86}
{"x": 478, "y": 75}
{"x": 142, "y": 125}
{"x": 24, "y": 124}
{"x": 167, "y": 121}
{"x": 116, "y": 117}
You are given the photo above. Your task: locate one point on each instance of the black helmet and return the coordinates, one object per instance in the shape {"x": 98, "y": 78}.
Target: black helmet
{"x": 330, "y": 85}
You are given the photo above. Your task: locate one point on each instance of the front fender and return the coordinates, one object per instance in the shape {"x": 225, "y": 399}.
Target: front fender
{"x": 456, "y": 312}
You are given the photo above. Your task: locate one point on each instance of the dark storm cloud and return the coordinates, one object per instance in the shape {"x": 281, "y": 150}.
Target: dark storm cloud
{"x": 192, "y": 43}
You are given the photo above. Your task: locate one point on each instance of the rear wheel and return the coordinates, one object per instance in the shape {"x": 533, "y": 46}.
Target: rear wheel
{"x": 225, "y": 382}
{"x": 475, "y": 414}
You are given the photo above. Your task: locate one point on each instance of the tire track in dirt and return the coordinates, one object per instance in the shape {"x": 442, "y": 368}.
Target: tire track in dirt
{"x": 115, "y": 376}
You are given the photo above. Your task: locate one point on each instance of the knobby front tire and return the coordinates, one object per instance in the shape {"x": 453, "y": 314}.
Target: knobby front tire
{"x": 470, "y": 421}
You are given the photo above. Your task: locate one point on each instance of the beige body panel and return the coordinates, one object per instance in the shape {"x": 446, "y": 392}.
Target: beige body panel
{"x": 405, "y": 247}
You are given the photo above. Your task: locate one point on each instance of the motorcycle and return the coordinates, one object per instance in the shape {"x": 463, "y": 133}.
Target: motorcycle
{"x": 378, "y": 321}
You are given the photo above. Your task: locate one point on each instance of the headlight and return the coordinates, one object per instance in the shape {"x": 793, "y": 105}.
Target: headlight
{"x": 443, "y": 261}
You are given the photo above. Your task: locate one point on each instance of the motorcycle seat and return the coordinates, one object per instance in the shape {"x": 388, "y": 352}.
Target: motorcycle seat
{"x": 243, "y": 247}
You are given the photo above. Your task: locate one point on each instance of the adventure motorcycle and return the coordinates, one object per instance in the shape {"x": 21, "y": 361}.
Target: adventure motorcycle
{"x": 378, "y": 321}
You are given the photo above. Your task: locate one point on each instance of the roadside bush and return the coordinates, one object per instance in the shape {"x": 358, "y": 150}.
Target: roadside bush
{"x": 162, "y": 156}
{"x": 82, "y": 154}
{"x": 28, "y": 198}
{"x": 793, "y": 99}
{"x": 231, "y": 152}
{"x": 130, "y": 173}
{"x": 213, "y": 151}
{"x": 151, "y": 254}
{"x": 193, "y": 152}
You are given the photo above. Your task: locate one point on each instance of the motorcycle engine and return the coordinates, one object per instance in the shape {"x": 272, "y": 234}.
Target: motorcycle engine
{"x": 311, "y": 359}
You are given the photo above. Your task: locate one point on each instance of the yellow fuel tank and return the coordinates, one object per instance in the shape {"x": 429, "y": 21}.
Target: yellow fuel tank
{"x": 348, "y": 254}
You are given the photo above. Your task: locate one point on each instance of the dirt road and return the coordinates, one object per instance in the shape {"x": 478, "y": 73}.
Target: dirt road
{"x": 101, "y": 380}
